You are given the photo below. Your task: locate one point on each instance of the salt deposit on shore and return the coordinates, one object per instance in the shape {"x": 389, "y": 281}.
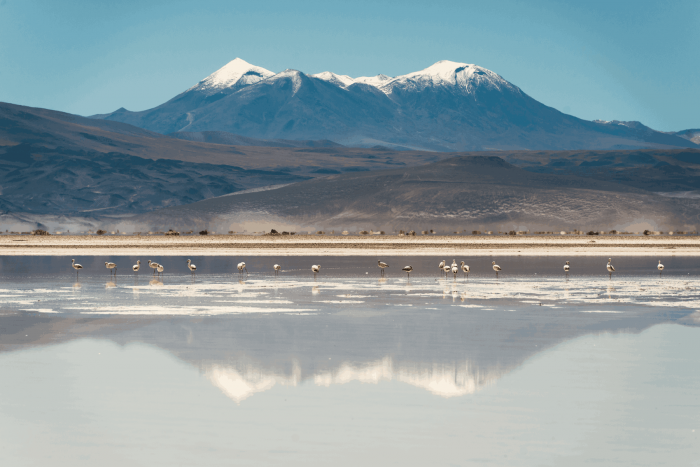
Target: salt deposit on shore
{"x": 230, "y": 245}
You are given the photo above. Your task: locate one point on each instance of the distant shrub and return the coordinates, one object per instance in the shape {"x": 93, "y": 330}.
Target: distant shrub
{"x": 592, "y": 233}
{"x": 172, "y": 232}
{"x": 101, "y": 232}
{"x": 364, "y": 232}
{"x": 204, "y": 232}
{"x": 40, "y": 232}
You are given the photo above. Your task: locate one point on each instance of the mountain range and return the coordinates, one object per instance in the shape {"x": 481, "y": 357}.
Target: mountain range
{"x": 57, "y": 163}
{"x": 448, "y": 106}
{"x": 455, "y": 194}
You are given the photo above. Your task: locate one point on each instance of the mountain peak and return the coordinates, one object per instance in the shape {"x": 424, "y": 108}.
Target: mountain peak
{"x": 377, "y": 80}
{"x": 235, "y": 72}
{"x": 339, "y": 80}
{"x": 294, "y": 75}
{"x": 464, "y": 76}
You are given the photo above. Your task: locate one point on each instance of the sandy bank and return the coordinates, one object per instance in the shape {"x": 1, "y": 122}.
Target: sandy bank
{"x": 314, "y": 245}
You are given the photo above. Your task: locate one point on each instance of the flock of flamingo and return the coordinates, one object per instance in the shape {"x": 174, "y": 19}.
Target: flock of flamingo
{"x": 316, "y": 268}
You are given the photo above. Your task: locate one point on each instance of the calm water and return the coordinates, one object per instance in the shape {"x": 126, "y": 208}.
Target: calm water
{"x": 347, "y": 368}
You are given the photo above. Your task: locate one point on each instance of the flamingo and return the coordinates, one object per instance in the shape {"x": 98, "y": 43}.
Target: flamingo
{"x": 446, "y": 268}
{"x": 611, "y": 269}
{"x": 160, "y": 269}
{"x": 567, "y": 266}
{"x": 136, "y": 266}
{"x": 455, "y": 269}
{"x": 153, "y": 266}
{"x": 408, "y": 269}
{"x": 465, "y": 268}
{"x": 77, "y": 268}
{"x": 496, "y": 268}
{"x": 192, "y": 267}
{"x": 316, "y": 268}
{"x": 111, "y": 266}
{"x": 660, "y": 267}
{"x": 277, "y": 268}
{"x": 241, "y": 267}
{"x": 382, "y": 265}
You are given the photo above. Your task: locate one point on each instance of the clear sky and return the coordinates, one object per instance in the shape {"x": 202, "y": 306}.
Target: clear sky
{"x": 624, "y": 60}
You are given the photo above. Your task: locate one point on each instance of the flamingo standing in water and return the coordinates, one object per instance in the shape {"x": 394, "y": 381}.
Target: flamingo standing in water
{"x": 660, "y": 267}
{"x": 382, "y": 265}
{"x": 153, "y": 266}
{"x": 465, "y": 268}
{"x": 111, "y": 266}
{"x": 316, "y": 268}
{"x": 77, "y": 268}
{"x": 136, "y": 266}
{"x": 192, "y": 267}
{"x": 408, "y": 269}
{"x": 455, "y": 269}
{"x": 277, "y": 268}
{"x": 496, "y": 268}
{"x": 241, "y": 267}
{"x": 442, "y": 265}
{"x": 610, "y": 267}
{"x": 160, "y": 269}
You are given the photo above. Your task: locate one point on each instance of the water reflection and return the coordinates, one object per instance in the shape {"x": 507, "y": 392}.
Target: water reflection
{"x": 444, "y": 352}
{"x": 254, "y": 332}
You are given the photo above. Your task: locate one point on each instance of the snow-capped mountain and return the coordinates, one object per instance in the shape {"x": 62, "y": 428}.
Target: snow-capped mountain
{"x": 234, "y": 75}
{"x": 691, "y": 135}
{"x": 339, "y": 80}
{"x": 373, "y": 80}
{"x": 449, "y": 106}
{"x": 461, "y": 77}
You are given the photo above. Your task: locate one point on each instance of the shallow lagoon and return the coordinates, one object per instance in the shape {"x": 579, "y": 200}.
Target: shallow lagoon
{"x": 532, "y": 368}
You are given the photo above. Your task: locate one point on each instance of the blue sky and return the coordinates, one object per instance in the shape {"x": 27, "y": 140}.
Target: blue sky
{"x": 625, "y": 60}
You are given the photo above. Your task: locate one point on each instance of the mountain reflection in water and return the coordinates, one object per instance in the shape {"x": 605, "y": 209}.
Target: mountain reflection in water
{"x": 450, "y": 337}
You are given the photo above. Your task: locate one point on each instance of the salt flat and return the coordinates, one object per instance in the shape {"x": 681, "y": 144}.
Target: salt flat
{"x": 428, "y": 245}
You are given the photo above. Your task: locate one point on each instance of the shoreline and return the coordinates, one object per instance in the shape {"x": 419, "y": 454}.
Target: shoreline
{"x": 316, "y": 245}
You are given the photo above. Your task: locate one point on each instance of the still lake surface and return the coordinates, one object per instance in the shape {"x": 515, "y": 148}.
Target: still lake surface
{"x": 349, "y": 368}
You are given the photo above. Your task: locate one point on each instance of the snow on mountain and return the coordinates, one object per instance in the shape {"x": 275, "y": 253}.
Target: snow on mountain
{"x": 631, "y": 124}
{"x": 448, "y": 106}
{"x": 690, "y": 135}
{"x": 236, "y": 72}
{"x": 293, "y": 75}
{"x": 447, "y": 73}
{"x": 373, "y": 80}
{"x": 339, "y": 80}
